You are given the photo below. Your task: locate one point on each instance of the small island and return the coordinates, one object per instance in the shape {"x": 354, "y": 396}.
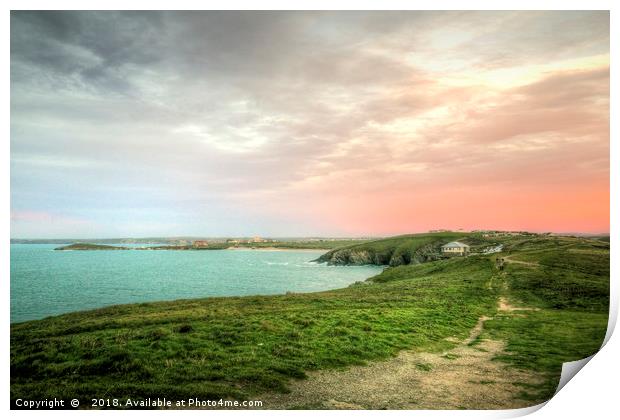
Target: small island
{"x": 90, "y": 247}
{"x": 256, "y": 243}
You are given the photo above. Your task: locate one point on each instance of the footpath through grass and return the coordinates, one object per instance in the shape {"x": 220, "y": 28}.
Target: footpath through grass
{"x": 234, "y": 347}
{"x": 242, "y": 346}
{"x": 570, "y": 289}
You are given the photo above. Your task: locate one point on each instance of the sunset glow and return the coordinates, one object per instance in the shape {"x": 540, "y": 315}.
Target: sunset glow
{"x": 308, "y": 123}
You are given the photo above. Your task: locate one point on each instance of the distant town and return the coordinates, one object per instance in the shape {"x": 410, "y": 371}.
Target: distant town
{"x": 190, "y": 240}
{"x": 199, "y": 241}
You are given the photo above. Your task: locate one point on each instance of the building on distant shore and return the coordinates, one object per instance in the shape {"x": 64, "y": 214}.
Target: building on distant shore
{"x": 200, "y": 244}
{"x": 258, "y": 239}
{"x": 455, "y": 248}
{"x": 495, "y": 233}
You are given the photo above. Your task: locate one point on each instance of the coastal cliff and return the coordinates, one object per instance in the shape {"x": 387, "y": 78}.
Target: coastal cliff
{"x": 400, "y": 250}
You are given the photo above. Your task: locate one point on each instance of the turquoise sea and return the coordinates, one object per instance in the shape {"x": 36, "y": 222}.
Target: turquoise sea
{"x": 45, "y": 282}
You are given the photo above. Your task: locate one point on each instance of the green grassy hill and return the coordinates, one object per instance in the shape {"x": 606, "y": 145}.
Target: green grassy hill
{"x": 400, "y": 250}
{"x": 240, "y": 347}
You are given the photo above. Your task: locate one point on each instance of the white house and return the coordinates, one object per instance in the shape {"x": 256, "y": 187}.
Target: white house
{"x": 455, "y": 248}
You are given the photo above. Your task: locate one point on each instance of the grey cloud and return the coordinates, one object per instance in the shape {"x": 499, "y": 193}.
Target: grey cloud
{"x": 133, "y": 100}
{"x": 116, "y": 38}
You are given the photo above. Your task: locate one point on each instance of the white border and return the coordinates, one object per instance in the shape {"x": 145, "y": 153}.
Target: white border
{"x": 313, "y": 5}
{"x": 592, "y": 394}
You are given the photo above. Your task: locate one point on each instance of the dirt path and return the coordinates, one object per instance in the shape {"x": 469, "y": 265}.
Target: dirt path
{"x": 463, "y": 377}
{"x": 504, "y": 306}
{"x": 529, "y": 263}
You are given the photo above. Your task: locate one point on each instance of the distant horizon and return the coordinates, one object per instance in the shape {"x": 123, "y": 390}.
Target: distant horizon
{"x": 308, "y": 123}
{"x": 297, "y": 236}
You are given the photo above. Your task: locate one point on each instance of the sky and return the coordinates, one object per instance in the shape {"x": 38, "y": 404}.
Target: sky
{"x": 136, "y": 124}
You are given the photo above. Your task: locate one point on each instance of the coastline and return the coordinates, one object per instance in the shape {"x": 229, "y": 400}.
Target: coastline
{"x": 99, "y": 247}
{"x": 421, "y": 308}
{"x": 272, "y": 248}
{"x": 278, "y": 255}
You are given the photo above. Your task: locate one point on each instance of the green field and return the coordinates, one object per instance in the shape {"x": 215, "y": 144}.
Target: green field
{"x": 402, "y": 250}
{"x": 570, "y": 287}
{"x": 241, "y": 347}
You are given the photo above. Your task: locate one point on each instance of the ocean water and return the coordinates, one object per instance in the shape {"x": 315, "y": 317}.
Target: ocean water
{"x": 45, "y": 282}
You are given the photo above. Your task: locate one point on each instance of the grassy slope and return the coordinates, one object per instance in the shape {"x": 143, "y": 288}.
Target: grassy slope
{"x": 394, "y": 251}
{"x": 236, "y": 347}
{"x": 570, "y": 286}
